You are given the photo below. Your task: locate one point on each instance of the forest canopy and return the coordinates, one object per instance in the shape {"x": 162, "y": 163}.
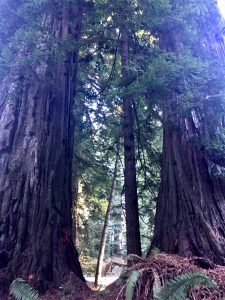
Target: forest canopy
{"x": 112, "y": 139}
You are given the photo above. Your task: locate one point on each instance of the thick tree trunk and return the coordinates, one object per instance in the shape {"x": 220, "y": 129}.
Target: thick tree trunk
{"x": 131, "y": 199}
{"x": 36, "y": 138}
{"x": 190, "y": 213}
{"x": 99, "y": 266}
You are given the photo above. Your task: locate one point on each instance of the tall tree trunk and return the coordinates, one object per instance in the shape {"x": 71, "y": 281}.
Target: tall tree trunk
{"x": 131, "y": 199}
{"x": 106, "y": 223}
{"x": 190, "y": 209}
{"x": 36, "y": 141}
{"x": 190, "y": 213}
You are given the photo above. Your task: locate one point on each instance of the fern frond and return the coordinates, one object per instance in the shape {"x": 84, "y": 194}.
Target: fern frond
{"x": 157, "y": 283}
{"x": 21, "y": 290}
{"x": 131, "y": 284}
{"x": 177, "y": 288}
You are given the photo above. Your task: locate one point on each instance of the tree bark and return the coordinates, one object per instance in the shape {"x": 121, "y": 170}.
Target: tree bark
{"x": 190, "y": 212}
{"x": 191, "y": 204}
{"x": 36, "y": 143}
{"x": 130, "y": 184}
{"x": 98, "y": 273}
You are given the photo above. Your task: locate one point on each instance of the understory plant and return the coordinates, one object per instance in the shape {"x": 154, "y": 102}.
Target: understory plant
{"x": 175, "y": 289}
{"x": 20, "y": 289}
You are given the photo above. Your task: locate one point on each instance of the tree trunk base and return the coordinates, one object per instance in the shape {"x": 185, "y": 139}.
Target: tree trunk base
{"x": 71, "y": 286}
{"x": 156, "y": 270}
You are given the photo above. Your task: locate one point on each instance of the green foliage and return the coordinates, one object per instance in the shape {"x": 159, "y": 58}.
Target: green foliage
{"x": 175, "y": 289}
{"x": 27, "y": 42}
{"x": 99, "y": 119}
{"x": 131, "y": 284}
{"x": 155, "y": 251}
{"x": 88, "y": 264}
{"x": 178, "y": 287}
{"x": 170, "y": 68}
{"x": 101, "y": 294}
{"x": 22, "y": 290}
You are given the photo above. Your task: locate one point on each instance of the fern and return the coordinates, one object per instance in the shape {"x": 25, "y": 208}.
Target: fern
{"x": 21, "y": 290}
{"x": 177, "y": 288}
{"x": 155, "y": 251}
{"x": 131, "y": 284}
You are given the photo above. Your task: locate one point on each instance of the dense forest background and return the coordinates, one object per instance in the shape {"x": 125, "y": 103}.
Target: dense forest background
{"x": 111, "y": 135}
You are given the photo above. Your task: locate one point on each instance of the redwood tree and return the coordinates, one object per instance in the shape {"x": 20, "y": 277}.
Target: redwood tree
{"x": 37, "y": 92}
{"x": 190, "y": 213}
{"x": 130, "y": 180}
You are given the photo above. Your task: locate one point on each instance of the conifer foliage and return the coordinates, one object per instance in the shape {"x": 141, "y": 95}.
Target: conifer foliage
{"x": 77, "y": 78}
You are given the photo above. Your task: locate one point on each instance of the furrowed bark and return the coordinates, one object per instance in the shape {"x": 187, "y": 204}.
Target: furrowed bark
{"x": 190, "y": 209}
{"x": 36, "y": 146}
{"x": 130, "y": 184}
{"x": 190, "y": 213}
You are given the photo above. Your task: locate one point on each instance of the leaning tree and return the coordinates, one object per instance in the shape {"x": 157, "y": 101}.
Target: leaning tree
{"x": 190, "y": 214}
{"x": 39, "y": 54}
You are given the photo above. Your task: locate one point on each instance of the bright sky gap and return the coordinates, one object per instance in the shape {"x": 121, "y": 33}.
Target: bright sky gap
{"x": 221, "y": 5}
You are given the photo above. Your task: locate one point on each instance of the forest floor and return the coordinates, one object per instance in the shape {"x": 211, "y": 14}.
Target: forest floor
{"x": 156, "y": 269}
